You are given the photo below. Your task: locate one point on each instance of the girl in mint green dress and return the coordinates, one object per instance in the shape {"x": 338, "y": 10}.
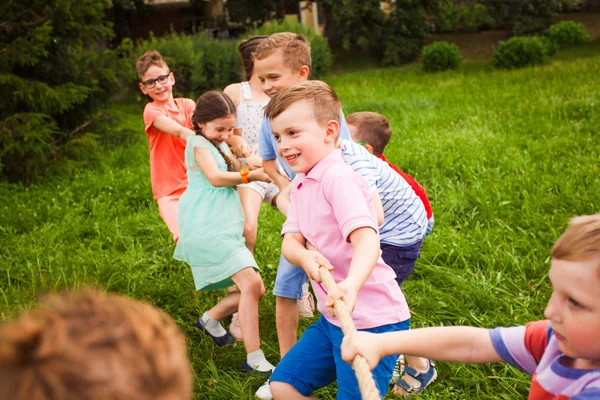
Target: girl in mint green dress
{"x": 211, "y": 224}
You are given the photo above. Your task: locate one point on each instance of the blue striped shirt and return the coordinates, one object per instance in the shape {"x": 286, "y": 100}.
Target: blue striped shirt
{"x": 405, "y": 219}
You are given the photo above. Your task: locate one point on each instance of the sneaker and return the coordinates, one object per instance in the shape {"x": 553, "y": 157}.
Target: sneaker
{"x": 306, "y": 306}
{"x": 248, "y": 368}
{"x": 235, "y": 329}
{"x": 264, "y": 391}
{"x": 224, "y": 340}
{"x": 398, "y": 370}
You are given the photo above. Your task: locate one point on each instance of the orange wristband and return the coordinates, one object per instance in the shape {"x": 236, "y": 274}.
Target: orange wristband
{"x": 244, "y": 174}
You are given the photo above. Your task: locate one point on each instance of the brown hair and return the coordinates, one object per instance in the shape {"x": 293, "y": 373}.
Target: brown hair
{"x": 325, "y": 103}
{"x": 213, "y": 105}
{"x": 294, "y": 48}
{"x": 372, "y": 128}
{"x": 149, "y": 59}
{"x": 91, "y": 345}
{"x": 247, "y": 48}
{"x": 581, "y": 240}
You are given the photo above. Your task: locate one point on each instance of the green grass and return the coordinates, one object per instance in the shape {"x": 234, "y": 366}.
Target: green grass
{"x": 507, "y": 157}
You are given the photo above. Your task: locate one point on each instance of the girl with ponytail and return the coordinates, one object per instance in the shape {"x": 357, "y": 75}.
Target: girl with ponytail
{"x": 211, "y": 223}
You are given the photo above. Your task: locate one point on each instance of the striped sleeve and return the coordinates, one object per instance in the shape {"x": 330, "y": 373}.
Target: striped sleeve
{"x": 521, "y": 346}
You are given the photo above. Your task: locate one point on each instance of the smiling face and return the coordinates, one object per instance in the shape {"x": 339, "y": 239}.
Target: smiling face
{"x": 275, "y": 75}
{"x": 301, "y": 141}
{"x": 161, "y": 92}
{"x": 219, "y": 130}
{"x": 574, "y": 310}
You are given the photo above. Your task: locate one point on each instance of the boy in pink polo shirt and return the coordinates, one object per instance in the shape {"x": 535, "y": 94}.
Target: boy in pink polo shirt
{"x": 332, "y": 208}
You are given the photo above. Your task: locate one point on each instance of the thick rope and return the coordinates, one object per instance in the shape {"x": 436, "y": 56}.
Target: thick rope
{"x": 366, "y": 383}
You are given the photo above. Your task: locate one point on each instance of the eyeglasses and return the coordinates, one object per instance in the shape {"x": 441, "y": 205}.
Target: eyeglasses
{"x": 150, "y": 83}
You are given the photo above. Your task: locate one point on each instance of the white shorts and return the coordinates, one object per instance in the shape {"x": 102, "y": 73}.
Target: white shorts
{"x": 268, "y": 191}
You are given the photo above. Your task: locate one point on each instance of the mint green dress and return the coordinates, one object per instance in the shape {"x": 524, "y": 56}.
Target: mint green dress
{"x": 211, "y": 224}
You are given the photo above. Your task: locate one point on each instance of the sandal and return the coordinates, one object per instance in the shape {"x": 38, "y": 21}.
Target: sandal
{"x": 424, "y": 379}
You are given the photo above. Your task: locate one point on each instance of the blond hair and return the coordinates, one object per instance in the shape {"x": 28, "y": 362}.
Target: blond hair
{"x": 581, "y": 240}
{"x": 91, "y": 345}
{"x": 325, "y": 103}
{"x": 372, "y": 128}
{"x": 147, "y": 60}
{"x": 294, "y": 47}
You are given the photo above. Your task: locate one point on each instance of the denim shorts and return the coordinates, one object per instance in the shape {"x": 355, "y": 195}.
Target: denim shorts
{"x": 289, "y": 280}
{"x": 316, "y": 361}
{"x": 401, "y": 259}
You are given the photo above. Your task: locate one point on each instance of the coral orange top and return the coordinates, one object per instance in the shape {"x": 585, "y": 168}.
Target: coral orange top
{"x": 167, "y": 161}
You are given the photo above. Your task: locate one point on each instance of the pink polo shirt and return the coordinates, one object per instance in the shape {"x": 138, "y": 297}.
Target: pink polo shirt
{"x": 327, "y": 204}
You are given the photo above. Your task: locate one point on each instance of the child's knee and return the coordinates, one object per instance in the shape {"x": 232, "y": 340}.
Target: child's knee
{"x": 254, "y": 286}
{"x": 250, "y": 229}
{"x": 282, "y": 390}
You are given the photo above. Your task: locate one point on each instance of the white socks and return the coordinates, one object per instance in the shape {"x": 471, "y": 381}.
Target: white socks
{"x": 213, "y": 326}
{"x": 257, "y": 361}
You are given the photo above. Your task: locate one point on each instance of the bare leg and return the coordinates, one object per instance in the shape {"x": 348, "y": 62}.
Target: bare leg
{"x": 283, "y": 390}
{"x": 286, "y": 318}
{"x": 251, "y": 201}
{"x": 252, "y": 290}
{"x": 224, "y": 308}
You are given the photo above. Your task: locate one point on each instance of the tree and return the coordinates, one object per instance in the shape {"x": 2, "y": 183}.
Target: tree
{"x": 54, "y": 78}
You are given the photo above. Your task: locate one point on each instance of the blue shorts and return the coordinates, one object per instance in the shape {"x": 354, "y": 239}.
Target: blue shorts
{"x": 401, "y": 259}
{"x": 316, "y": 361}
{"x": 289, "y": 280}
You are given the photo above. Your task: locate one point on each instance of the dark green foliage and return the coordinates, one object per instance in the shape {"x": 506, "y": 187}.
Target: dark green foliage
{"x": 199, "y": 62}
{"x": 529, "y": 16}
{"x": 440, "y": 56}
{"x": 404, "y": 33}
{"x": 520, "y": 51}
{"x": 459, "y": 15}
{"x": 568, "y": 33}
{"x": 360, "y": 22}
{"x": 54, "y": 80}
{"x": 397, "y": 37}
{"x": 320, "y": 52}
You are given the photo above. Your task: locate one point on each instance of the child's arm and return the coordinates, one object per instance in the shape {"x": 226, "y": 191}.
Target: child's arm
{"x": 282, "y": 201}
{"x": 294, "y": 250}
{"x": 272, "y": 170}
{"x": 378, "y": 207}
{"x": 452, "y": 343}
{"x": 219, "y": 178}
{"x": 365, "y": 242}
{"x": 167, "y": 125}
{"x": 238, "y": 145}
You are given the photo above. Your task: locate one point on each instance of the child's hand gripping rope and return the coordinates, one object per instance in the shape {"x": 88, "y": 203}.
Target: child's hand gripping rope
{"x": 361, "y": 368}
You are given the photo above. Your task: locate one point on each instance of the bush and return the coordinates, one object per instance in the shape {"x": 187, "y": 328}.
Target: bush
{"x": 520, "y": 51}
{"x": 459, "y": 15}
{"x": 404, "y": 32}
{"x": 440, "y": 56}
{"x": 529, "y": 16}
{"x": 55, "y": 80}
{"x": 320, "y": 52}
{"x": 568, "y": 33}
{"x": 199, "y": 62}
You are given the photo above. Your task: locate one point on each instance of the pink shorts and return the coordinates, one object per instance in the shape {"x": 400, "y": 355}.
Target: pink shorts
{"x": 167, "y": 207}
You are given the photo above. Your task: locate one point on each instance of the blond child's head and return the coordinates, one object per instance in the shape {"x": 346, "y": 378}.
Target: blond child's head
{"x": 281, "y": 60}
{"x": 370, "y": 129}
{"x": 91, "y": 345}
{"x": 305, "y": 119}
{"x": 156, "y": 80}
{"x": 574, "y": 307}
